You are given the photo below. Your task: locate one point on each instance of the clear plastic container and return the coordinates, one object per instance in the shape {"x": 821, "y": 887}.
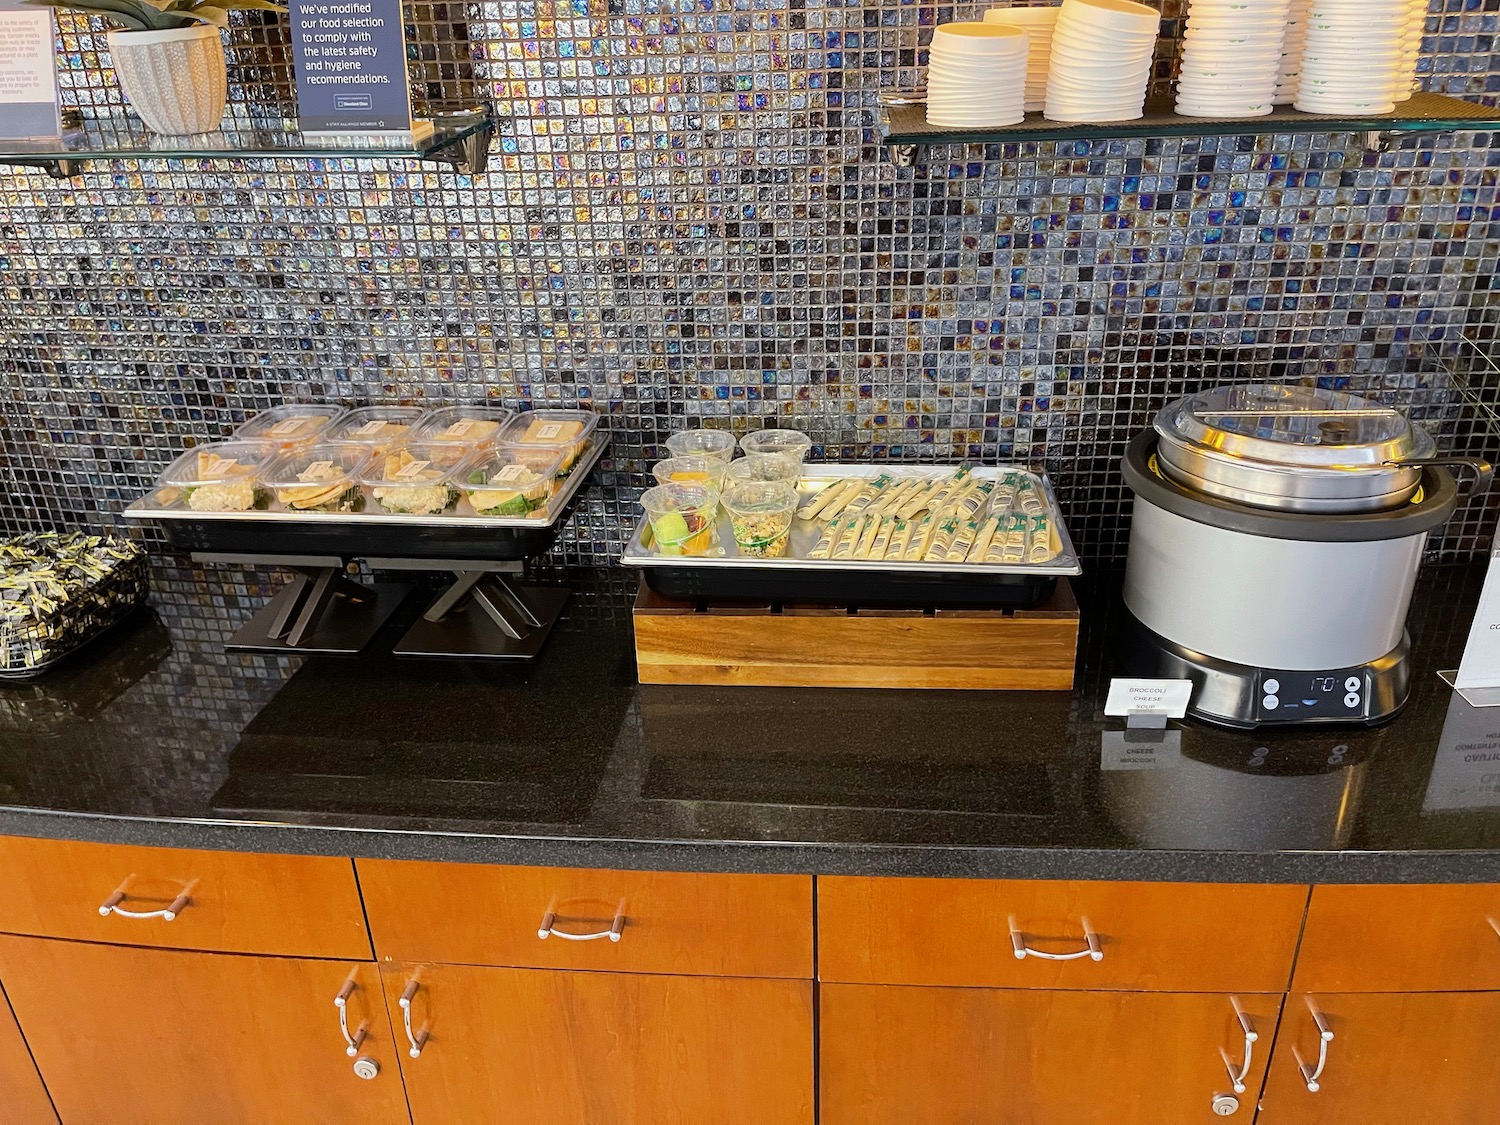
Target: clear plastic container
{"x": 702, "y": 443}
{"x": 378, "y": 427}
{"x": 219, "y": 477}
{"x": 790, "y": 444}
{"x": 317, "y": 478}
{"x": 416, "y": 479}
{"x": 761, "y": 514}
{"x": 566, "y": 432}
{"x": 292, "y": 423}
{"x": 683, "y": 518}
{"x": 764, "y": 468}
{"x": 514, "y": 480}
{"x": 474, "y": 426}
{"x": 687, "y": 470}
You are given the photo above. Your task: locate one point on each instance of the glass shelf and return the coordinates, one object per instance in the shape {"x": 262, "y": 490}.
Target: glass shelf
{"x": 907, "y": 127}
{"x": 461, "y": 140}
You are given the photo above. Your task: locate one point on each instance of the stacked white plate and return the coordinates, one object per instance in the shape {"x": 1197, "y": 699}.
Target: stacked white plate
{"x": 1291, "y": 52}
{"x": 1101, "y": 60}
{"x": 976, "y": 75}
{"x": 1353, "y": 60}
{"x": 1411, "y": 49}
{"x": 1039, "y": 24}
{"x": 1231, "y": 55}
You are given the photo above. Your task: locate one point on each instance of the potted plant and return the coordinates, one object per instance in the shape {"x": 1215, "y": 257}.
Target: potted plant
{"x": 168, "y": 56}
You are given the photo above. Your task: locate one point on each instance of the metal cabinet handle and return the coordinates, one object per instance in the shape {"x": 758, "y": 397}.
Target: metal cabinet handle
{"x": 341, "y": 1002}
{"x": 1237, "y": 1077}
{"x": 418, "y": 1040}
{"x": 1311, "y": 1074}
{"x": 111, "y": 905}
{"x": 1023, "y": 951}
{"x": 548, "y": 928}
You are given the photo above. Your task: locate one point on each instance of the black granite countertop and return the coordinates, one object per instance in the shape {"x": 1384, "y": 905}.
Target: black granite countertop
{"x": 159, "y": 736}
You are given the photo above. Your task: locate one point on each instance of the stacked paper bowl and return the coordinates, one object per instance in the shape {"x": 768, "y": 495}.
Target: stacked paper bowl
{"x": 1101, "y": 60}
{"x": 1292, "y": 46}
{"x": 976, "y": 75}
{"x": 1039, "y": 24}
{"x": 1355, "y": 56}
{"x": 1231, "y": 55}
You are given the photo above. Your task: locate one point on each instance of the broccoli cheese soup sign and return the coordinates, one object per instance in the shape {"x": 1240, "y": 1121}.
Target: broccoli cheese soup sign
{"x": 350, "y": 60}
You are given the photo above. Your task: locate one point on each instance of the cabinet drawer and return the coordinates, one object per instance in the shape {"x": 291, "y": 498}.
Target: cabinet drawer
{"x": 231, "y": 902}
{"x": 1402, "y": 939}
{"x": 1174, "y": 937}
{"x": 475, "y": 914}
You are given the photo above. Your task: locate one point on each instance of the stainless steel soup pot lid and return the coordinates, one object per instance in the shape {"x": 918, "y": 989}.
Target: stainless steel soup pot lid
{"x": 1293, "y": 448}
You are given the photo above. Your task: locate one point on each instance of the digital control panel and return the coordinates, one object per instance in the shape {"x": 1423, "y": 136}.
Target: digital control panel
{"x": 1296, "y": 697}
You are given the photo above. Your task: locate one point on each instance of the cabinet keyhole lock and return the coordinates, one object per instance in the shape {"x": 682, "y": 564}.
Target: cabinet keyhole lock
{"x": 365, "y": 1067}
{"x": 1225, "y": 1104}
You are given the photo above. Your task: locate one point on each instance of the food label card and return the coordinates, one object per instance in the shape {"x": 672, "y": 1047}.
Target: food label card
{"x": 28, "y": 73}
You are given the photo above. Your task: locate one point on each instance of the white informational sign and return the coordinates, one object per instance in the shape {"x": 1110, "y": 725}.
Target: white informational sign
{"x": 1135, "y": 750}
{"x": 1466, "y": 771}
{"x": 1169, "y": 698}
{"x": 1481, "y": 664}
{"x": 28, "y": 73}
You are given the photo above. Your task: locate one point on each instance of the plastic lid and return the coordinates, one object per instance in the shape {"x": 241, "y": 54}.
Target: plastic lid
{"x": 1304, "y": 427}
{"x": 326, "y": 464}
{"x": 218, "y": 462}
{"x": 415, "y": 464}
{"x": 375, "y": 425}
{"x": 290, "y": 423}
{"x": 463, "y": 425}
{"x": 701, "y": 443}
{"x": 557, "y": 428}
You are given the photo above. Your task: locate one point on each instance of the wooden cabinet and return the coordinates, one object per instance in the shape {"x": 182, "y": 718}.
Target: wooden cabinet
{"x": 23, "y": 1100}
{"x": 235, "y": 902}
{"x": 1394, "y": 1059}
{"x": 1401, "y": 939}
{"x": 669, "y": 922}
{"x": 126, "y": 1036}
{"x": 1151, "y": 936}
{"x": 534, "y": 1046}
{"x": 966, "y": 1056}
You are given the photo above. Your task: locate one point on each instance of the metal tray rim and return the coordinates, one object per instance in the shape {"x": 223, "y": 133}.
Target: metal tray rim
{"x": 1065, "y": 565}
{"x": 137, "y": 510}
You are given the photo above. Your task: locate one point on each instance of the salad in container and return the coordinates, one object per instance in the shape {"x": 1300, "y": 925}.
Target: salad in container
{"x": 317, "y": 478}
{"x": 219, "y": 477}
{"x": 564, "y": 432}
{"x": 511, "y": 481}
{"x": 293, "y": 423}
{"x": 419, "y": 479}
{"x": 378, "y": 427}
{"x": 463, "y": 425}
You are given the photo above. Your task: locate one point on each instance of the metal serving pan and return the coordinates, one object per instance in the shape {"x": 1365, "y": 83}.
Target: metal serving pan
{"x": 796, "y": 577}
{"x": 455, "y": 535}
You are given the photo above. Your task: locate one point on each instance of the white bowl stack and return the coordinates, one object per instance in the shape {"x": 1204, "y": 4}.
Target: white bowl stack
{"x": 1291, "y": 53}
{"x": 1411, "y": 49}
{"x": 1039, "y": 24}
{"x": 1353, "y": 60}
{"x": 1101, "y": 60}
{"x": 1231, "y": 55}
{"x": 976, "y": 75}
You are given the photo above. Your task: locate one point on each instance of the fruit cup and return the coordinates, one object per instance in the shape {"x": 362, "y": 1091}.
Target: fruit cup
{"x": 682, "y": 517}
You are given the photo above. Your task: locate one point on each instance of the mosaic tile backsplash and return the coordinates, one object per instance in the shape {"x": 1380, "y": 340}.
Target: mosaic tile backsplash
{"x": 688, "y": 219}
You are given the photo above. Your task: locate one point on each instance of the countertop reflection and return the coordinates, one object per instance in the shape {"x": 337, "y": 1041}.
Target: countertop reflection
{"x": 158, "y": 735}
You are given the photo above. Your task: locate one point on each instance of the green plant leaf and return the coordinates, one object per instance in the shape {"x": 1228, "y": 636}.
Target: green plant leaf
{"x": 131, "y": 15}
{"x": 207, "y": 13}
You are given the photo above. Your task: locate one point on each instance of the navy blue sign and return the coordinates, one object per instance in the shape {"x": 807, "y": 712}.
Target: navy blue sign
{"x": 350, "y": 59}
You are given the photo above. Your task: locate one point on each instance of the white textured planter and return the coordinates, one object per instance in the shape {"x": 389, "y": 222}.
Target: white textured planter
{"x": 174, "y": 79}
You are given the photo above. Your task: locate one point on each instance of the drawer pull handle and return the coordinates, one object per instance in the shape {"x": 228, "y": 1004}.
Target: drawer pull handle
{"x": 341, "y": 1002}
{"x": 1237, "y": 1077}
{"x": 548, "y": 928}
{"x": 417, "y": 1040}
{"x": 1023, "y": 951}
{"x": 1311, "y": 1074}
{"x": 111, "y": 905}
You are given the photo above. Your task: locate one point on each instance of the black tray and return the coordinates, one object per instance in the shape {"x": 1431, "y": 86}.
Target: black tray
{"x": 958, "y": 591}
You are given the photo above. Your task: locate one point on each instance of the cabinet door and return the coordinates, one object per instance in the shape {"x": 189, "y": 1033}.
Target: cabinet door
{"x": 23, "y": 1101}
{"x": 893, "y": 1055}
{"x": 126, "y": 1036}
{"x": 536, "y": 1046}
{"x": 1394, "y": 1059}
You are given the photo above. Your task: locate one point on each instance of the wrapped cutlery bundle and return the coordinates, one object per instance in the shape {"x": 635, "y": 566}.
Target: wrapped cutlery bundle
{"x": 60, "y": 590}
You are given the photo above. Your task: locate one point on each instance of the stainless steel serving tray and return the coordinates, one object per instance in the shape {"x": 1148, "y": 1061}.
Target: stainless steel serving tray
{"x": 459, "y": 534}
{"x": 805, "y": 533}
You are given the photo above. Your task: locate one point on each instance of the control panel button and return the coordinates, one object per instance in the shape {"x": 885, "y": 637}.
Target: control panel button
{"x": 1272, "y": 686}
{"x": 1270, "y": 703}
{"x": 1353, "y": 684}
{"x": 1351, "y": 700}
